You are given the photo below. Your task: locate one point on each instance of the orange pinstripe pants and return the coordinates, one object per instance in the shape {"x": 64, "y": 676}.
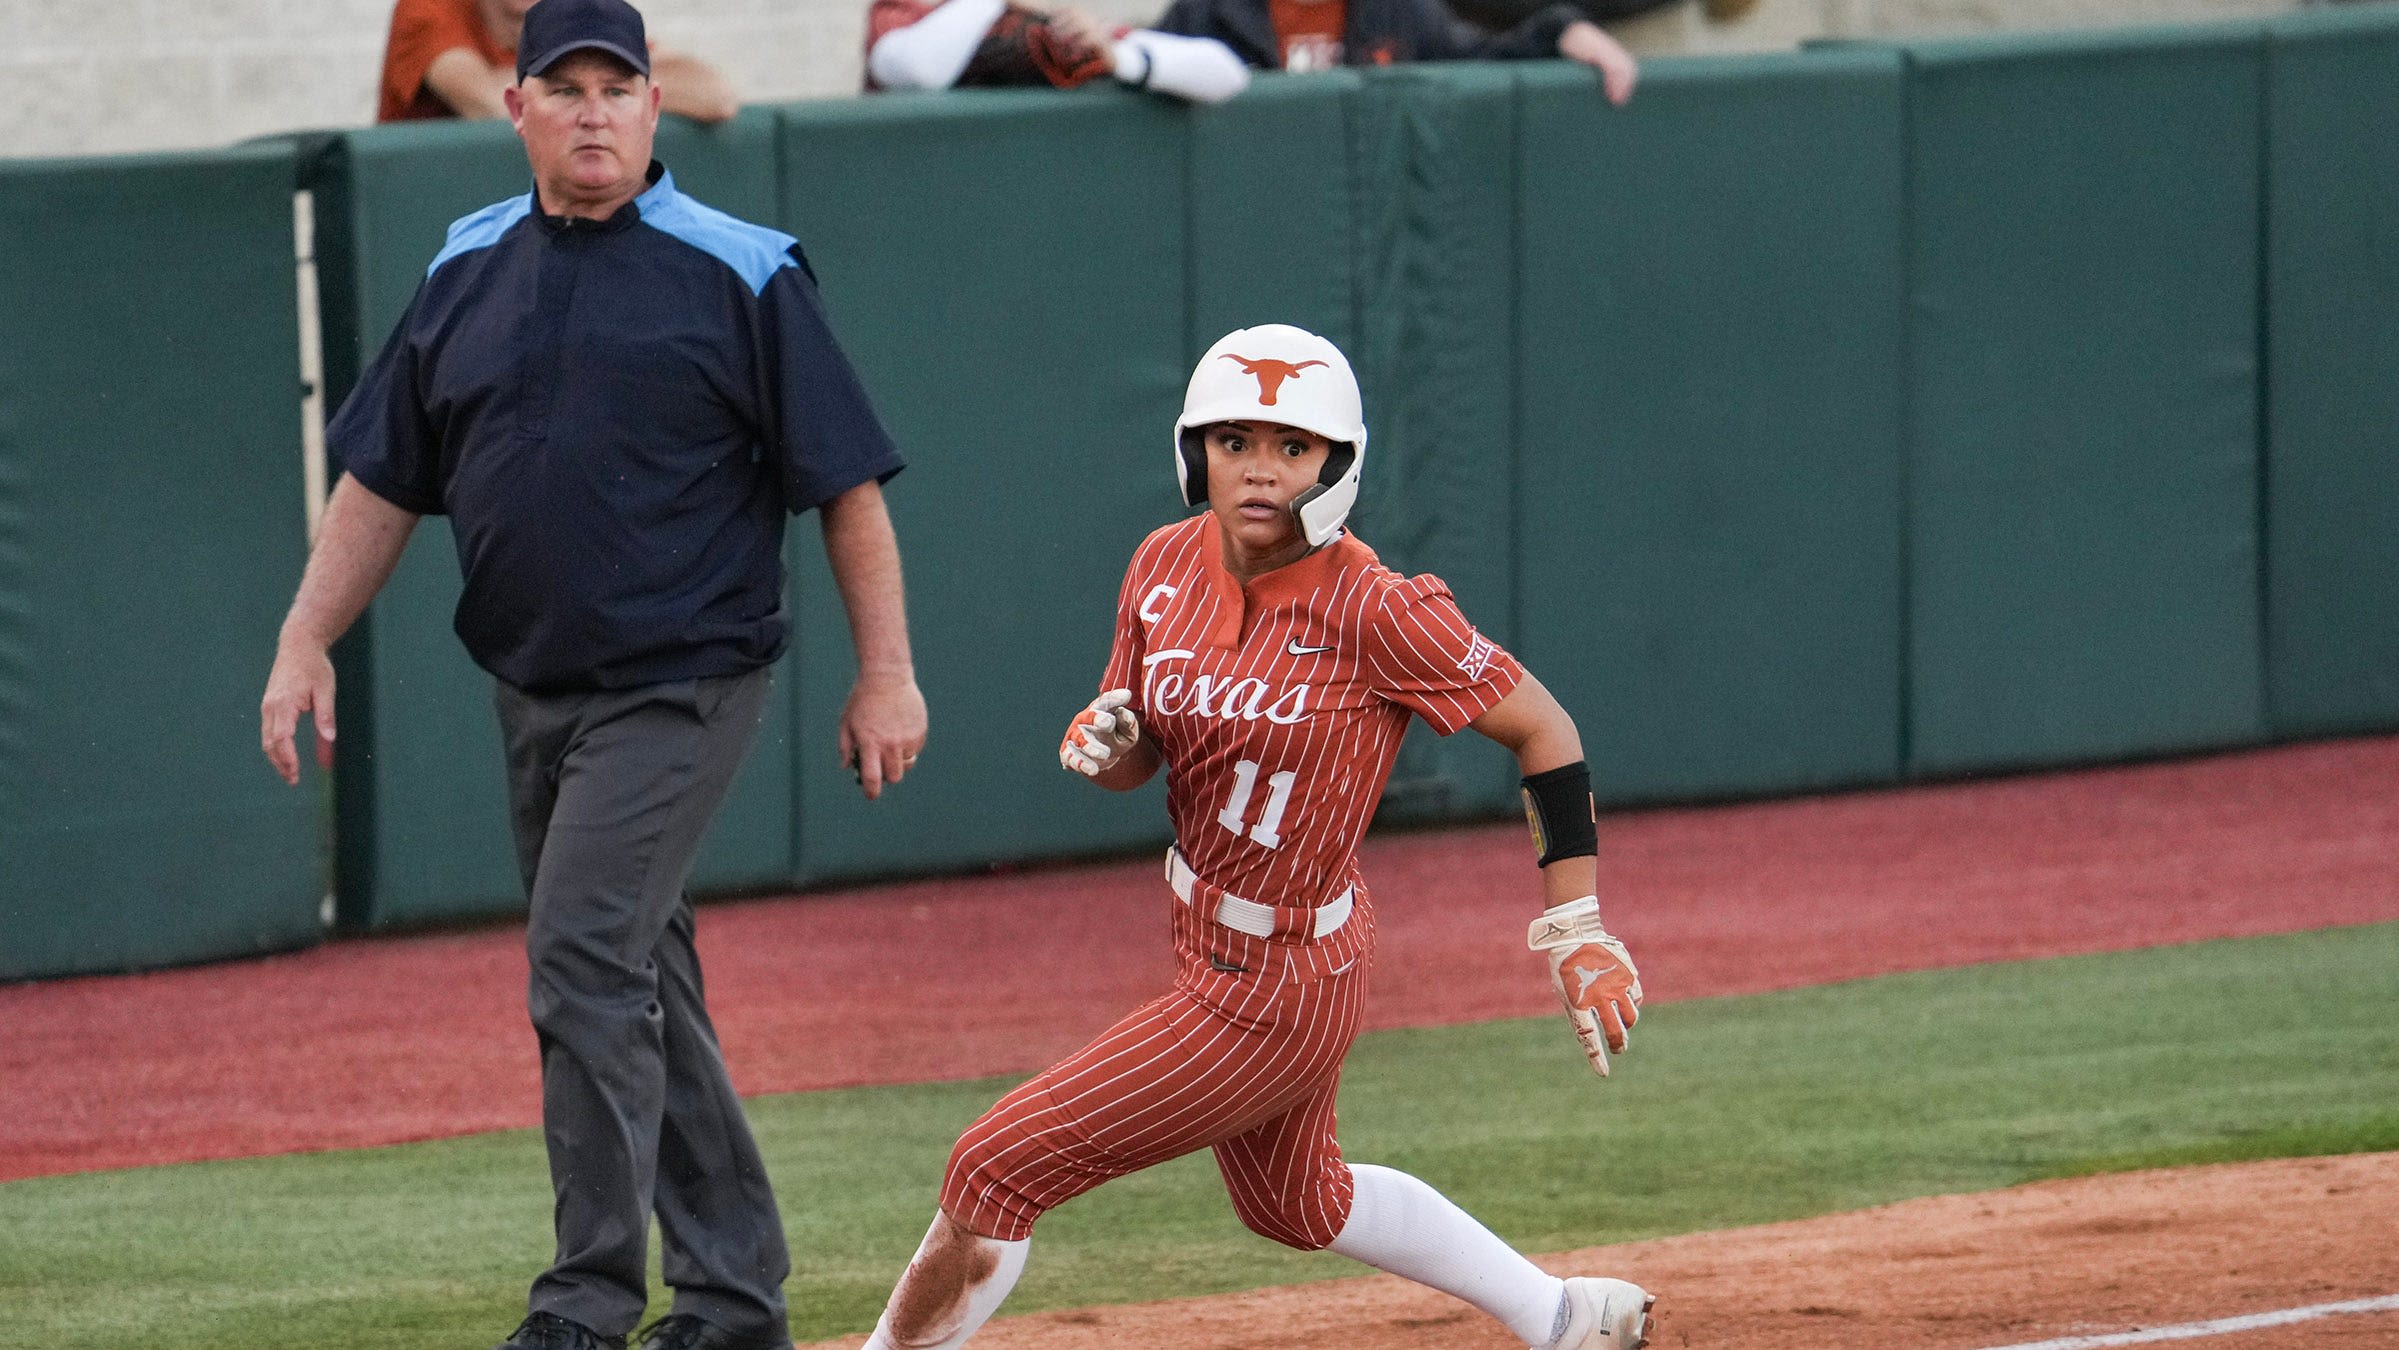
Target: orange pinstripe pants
{"x": 1243, "y": 1055}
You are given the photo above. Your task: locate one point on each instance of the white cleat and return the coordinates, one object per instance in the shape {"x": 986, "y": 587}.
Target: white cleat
{"x": 1605, "y": 1315}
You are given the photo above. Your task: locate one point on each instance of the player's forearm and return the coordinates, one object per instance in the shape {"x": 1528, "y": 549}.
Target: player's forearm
{"x": 358, "y": 543}
{"x": 1569, "y": 879}
{"x": 865, "y": 557}
{"x": 1134, "y": 768}
{"x": 1554, "y": 745}
{"x": 1531, "y": 724}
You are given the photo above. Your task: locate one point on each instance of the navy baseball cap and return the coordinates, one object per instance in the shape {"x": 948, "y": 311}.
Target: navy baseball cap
{"x": 556, "y": 28}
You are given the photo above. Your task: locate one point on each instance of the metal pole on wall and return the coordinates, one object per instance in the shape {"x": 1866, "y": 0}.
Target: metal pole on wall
{"x": 312, "y": 362}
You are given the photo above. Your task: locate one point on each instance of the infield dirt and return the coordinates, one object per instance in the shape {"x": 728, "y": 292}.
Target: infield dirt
{"x": 2091, "y": 1256}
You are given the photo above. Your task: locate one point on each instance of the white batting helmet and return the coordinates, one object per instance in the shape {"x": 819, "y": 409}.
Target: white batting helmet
{"x": 1277, "y": 373}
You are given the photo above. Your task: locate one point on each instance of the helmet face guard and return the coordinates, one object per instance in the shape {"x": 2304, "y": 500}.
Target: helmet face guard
{"x": 1289, "y": 376}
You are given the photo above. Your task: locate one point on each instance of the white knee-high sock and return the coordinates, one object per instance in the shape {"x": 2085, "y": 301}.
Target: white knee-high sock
{"x": 1399, "y": 1224}
{"x": 965, "y": 1282}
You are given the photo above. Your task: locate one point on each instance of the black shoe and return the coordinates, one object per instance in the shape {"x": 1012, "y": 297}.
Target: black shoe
{"x": 682, "y": 1331}
{"x": 549, "y": 1331}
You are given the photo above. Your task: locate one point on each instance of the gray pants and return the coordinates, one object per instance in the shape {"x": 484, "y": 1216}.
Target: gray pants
{"x": 609, "y": 794}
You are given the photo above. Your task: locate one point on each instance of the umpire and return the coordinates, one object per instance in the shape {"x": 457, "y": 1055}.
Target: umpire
{"x": 616, "y": 394}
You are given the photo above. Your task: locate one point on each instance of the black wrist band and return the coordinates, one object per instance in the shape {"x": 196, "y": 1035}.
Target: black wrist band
{"x": 1558, "y": 807}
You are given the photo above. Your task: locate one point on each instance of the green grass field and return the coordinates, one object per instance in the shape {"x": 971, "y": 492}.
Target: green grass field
{"x": 1727, "y": 1112}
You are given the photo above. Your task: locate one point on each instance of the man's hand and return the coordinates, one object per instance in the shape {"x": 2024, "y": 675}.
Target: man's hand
{"x": 883, "y": 724}
{"x": 1594, "y": 976}
{"x": 882, "y": 728}
{"x": 1590, "y": 44}
{"x": 1100, "y": 734}
{"x": 359, "y": 541}
{"x": 301, "y": 682}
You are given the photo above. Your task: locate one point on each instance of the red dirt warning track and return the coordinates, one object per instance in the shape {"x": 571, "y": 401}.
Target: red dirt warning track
{"x": 371, "y": 1042}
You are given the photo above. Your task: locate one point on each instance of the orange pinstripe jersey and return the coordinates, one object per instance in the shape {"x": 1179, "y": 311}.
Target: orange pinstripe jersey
{"x": 1279, "y": 709}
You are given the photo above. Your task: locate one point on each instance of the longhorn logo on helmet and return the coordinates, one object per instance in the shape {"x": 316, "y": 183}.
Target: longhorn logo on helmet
{"x": 1270, "y": 373}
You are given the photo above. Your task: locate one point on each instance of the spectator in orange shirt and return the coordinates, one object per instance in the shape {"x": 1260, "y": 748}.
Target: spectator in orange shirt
{"x": 451, "y": 58}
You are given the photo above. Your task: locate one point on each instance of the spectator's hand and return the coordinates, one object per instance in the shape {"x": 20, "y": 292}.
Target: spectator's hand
{"x": 1070, "y": 48}
{"x": 1590, "y": 44}
{"x": 1083, "y": 28}
{"x": 882, "y": 729}
{"x": 301, "y": 682}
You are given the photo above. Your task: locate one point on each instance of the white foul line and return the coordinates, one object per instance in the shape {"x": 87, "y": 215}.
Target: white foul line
{"x": 2219, "y": 1327}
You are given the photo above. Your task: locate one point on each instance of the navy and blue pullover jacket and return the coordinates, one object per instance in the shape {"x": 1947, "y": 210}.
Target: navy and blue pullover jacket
{"x": 616, "y": 415}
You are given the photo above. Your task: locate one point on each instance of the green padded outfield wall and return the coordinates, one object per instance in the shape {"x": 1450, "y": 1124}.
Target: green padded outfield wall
{"x": 1391, "y": 229}
{"x": 2332, "y": 354}
{"x": 2083, "y": 264}
{"x": 1007, "y": 269}
{"x": 151, "y": 533}
{"x": 1709, "y": 444}
{"x": 1286, "y": 139}
{"x": 1433, "y": 163}
{"x": 422, "y": 804}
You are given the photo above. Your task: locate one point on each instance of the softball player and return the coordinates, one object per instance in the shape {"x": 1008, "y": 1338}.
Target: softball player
{"x": 1272, "y": 663}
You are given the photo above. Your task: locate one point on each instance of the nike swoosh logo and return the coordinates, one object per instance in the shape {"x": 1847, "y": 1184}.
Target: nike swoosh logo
{"x": 1295, "y": 649}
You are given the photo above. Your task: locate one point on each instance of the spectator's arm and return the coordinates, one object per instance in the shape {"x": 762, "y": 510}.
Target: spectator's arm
{"x": 691, "y": 87}
{"x": 1590, "y": 44}
{"x": 934, "y": 51}
{"x": 1202, "y": 70}
{"x": 468, "y": 83}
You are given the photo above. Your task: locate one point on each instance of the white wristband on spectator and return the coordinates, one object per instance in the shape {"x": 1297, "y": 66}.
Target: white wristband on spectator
{"x": 1202, "y": 70}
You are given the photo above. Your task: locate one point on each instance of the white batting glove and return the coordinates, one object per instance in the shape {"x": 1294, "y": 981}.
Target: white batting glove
{"x": 1100, "y": 734}
{"x": 1594, "y": 976}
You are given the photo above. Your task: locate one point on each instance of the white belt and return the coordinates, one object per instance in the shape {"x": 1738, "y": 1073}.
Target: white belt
{"x": 1248, "y": 916}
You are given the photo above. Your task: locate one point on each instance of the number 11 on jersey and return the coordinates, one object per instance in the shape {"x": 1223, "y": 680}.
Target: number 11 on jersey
{"x": 1235, "y": 814}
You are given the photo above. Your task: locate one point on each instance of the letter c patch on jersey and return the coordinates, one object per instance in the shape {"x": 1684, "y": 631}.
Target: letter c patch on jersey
{"x": 1153, "y": 605}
